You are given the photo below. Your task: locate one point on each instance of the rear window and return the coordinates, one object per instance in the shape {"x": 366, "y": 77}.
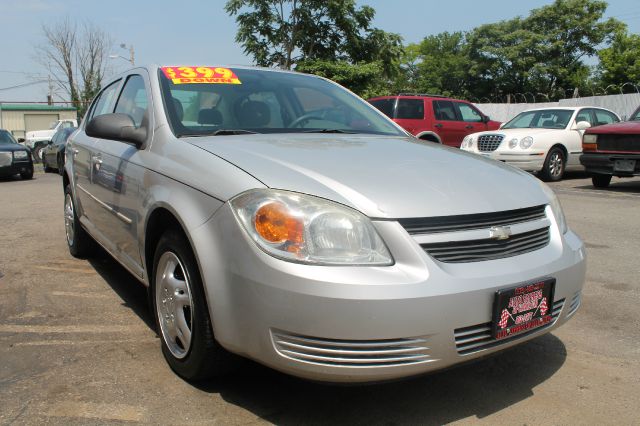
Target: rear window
{"x": 401, "y": 108}
{"x": 410, "y": 109}
{"x": 385, "y": 106}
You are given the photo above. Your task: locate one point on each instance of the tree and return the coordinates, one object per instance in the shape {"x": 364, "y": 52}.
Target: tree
{"x": 620, "y": 62}
{"x": 363, "y": 79}
{"x": 284, "y": 32}
{"x": 540, "y": 53}
{"x": 77, "y": 60}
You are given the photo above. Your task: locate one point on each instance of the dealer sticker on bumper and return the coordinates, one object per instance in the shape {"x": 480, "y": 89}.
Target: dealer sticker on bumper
{"x": 520, "y": 309}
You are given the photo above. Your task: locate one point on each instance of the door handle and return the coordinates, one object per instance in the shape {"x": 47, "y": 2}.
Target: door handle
{"x": 468, "y": 126}
{"x": 438, "y": 125}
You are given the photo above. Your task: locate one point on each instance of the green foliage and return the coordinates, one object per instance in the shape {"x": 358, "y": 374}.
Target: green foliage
{"x": 620, "y": 62}
{"x": 363, "y": 79}
{"x": 284, "y": 32}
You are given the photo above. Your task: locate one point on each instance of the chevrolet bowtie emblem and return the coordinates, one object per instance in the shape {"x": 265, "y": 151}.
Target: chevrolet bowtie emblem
{"x": 499, "y": 232}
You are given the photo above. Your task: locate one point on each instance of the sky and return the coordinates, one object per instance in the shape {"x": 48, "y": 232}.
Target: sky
{"x": 200, "y": 32}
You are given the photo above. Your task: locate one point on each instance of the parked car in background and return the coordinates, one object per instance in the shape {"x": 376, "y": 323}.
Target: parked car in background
{"x": 14, "y": 158}
{"x": 434, "y": 118}
{"x": 36, "y": 140}
{"x": 544, "y": 140}
{"x": 279, "y": 217}
{"x": 53, "y": 153}
{"x": 612, "y": 150}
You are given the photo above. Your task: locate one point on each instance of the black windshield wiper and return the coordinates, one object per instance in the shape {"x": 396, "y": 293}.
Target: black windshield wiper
{"x": 329, "y": 131}
{"x": 219, "y": 132}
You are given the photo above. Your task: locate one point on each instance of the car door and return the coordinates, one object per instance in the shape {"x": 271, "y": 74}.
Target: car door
{"x": 473, "y": 119}
{"x": 119, "y": 176}
{"x": 49, "y": 152}
{"x": 82, "y": 149}
{"x": 409, "y": 114}
{"x": 448, "y": 125}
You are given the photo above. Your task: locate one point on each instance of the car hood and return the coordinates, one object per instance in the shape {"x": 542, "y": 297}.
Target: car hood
{"x": 12, "y": 147}
{"x": 625, "y": 127}
{"x": 383, "y": 177}
{"x": 521, "y": 133}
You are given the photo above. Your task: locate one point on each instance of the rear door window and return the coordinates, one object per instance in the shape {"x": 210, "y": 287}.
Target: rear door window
{"x": 604, "y": 117}
{"x": 444, "y": 110}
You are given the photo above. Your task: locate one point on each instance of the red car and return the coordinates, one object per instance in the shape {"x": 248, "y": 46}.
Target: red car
{"x": 434, "y": 118}
{"x": 612, "y": 150}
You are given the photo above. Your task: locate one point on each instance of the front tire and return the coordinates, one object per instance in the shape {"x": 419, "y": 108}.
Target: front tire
{"x": 554, "y": 164}
{"x": 27, "y": 175}
{"x": 38, "y": 153}
{"x": 601, "y": 181}
{"x": 80, "y": 243}
{"x": 181, "y": 314}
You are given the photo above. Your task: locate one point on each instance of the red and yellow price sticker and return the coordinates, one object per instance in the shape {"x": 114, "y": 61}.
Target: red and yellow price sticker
{"x": 210, "y": 75}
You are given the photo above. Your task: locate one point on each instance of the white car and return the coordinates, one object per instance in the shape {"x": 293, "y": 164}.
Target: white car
{"x": 545, "y": 140}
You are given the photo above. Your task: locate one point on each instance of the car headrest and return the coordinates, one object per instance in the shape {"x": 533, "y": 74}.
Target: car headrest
{"x": 210, "y": 116}
{"x": 253, "y": 114}
{"x": 548, "y": 123}
{"x": 177, "y": 106}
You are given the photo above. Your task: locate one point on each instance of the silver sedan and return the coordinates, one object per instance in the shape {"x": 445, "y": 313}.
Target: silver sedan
{"x": 277, "y": 216}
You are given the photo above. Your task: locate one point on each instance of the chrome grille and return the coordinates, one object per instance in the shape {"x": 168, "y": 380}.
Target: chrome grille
{"x": 428, "y": 225}
{"x": 627, "y": 143}
{"x": 478, "y": 337}
{"x": 488, "y": 143}
{"x": 487, "y": 249}
{"x": 5, "y": 159}
{"x": 351, "y": 353}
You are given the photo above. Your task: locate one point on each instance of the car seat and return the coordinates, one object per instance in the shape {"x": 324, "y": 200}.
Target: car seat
{"x": 252, "y": 114}
{"x": 210, "y": 116}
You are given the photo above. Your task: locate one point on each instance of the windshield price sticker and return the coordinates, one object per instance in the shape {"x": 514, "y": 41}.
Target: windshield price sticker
{"x": 520, "y": 309}
{"x": 202, "y": 75}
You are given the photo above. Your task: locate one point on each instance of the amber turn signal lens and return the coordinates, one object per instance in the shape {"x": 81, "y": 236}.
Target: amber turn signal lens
{"x": 589, "y": 146}
{"x": 274, "y": 223}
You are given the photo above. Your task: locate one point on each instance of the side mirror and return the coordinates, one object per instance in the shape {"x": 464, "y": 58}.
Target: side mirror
{"x": 21, "y": 140}
{"x": 582, "y": 125}
{"x": 49, "y": 142}
{"x": 485, "y": 119}
{"x": 117, "y": 127}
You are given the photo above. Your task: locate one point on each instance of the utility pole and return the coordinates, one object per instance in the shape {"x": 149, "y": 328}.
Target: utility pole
{"x": 132, "y": 56}
{"x": 50, "y": 95}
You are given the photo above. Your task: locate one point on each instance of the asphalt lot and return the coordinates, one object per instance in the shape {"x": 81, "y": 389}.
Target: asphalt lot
{"x": 77, "y": 343}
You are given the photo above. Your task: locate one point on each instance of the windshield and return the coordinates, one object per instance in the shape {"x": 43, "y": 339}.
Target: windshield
{"x": 53, "y": 125}
{"x": 543, "y": 119}
{"x": 206, "y": 101}
{"x": 6, "y": 138}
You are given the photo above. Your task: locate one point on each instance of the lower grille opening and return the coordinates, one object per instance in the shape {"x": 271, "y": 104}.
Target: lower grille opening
{"x": 478, "y": 337}
{"x": 351, "y": 353}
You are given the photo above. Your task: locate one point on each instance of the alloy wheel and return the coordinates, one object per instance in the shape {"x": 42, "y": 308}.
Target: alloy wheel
{"x": 69, "y": 219}
{"x": 174, "y": 304}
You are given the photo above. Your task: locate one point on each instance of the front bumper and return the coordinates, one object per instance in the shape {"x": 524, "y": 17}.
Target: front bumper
{"x": 603, "y": 163}
{"x": 530, "y": 161}
{"x": 359, "y": 324}
{"x": 16, "y": 168}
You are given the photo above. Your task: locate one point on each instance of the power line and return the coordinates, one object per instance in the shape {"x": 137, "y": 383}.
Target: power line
{"x": 24, "y": 85}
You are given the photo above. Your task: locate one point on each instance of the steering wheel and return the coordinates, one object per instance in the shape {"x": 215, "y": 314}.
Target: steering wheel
{"x": 303, "y": 118}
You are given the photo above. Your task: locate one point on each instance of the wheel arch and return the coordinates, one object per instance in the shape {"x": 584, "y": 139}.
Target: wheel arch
{"x": 429, "y": 136}
{"x": 562, "y": 147}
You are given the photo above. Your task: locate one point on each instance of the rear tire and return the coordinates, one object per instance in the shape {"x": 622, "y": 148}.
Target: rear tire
{"x": 80, "y": 243}
{"x": 181, "y": 313}
{"x": 601, "y": 181}
{"x": 27, "y": 175}
{"x": 554, "y": 164}
{"x": 45, "y": 166}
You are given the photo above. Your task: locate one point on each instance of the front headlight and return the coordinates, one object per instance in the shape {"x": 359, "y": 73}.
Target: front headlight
{"x": 556, "y": 208}
{"x": 590, "y": 138}
{"x": 513, "y": 143}
{"x": 467, "y": 142}
{"x": 306, "y": 229}
{"x": 526, "y": 142}
{"x": 20, "y": 154}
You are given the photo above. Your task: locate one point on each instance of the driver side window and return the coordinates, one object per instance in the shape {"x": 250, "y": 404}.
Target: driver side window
{"x": 133, "y": 100}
